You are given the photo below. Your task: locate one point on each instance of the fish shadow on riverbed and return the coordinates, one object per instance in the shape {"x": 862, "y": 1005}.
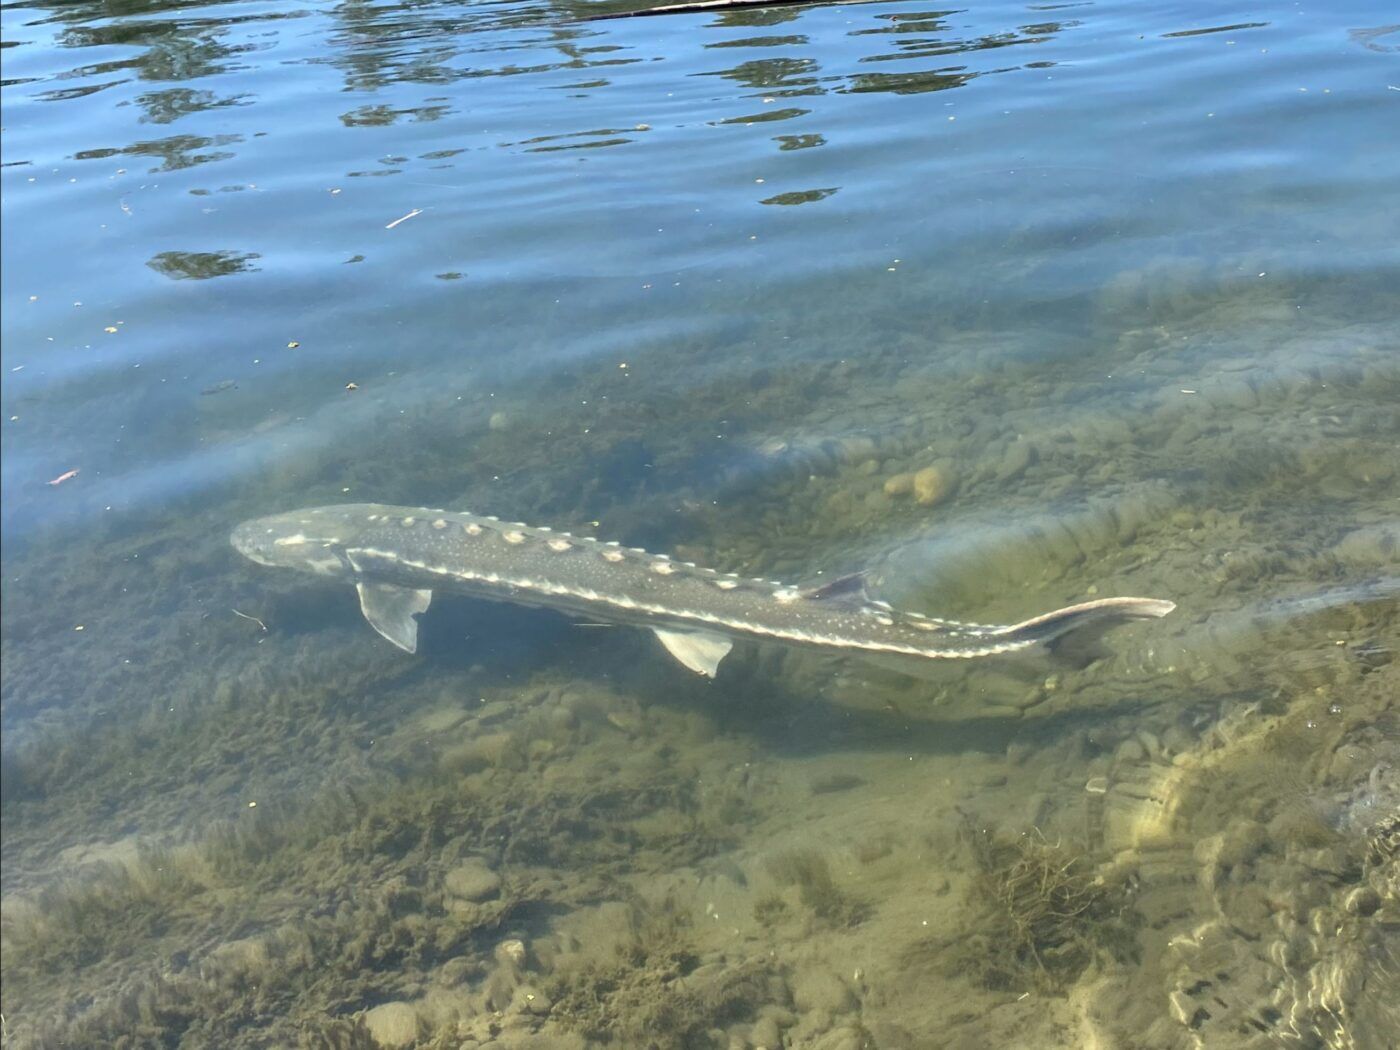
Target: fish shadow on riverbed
{"x": 458, "y": 633}
{"x": 754, "y": 694}
{"x": 788, "y": 722}
{"x": 461, "y": 633}
{"x": 757, "y": 694}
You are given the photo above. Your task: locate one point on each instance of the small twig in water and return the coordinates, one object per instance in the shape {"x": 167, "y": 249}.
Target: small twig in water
{"x": 247, "y": 617}
{"x": 404, "y": 218}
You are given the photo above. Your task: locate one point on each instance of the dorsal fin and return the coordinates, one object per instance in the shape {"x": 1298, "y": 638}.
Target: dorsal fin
{"x": 848, "y": 588}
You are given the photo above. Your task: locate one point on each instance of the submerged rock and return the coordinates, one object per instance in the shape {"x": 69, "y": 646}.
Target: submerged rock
{"x": 392, "y": 1025}
{"x": 820, "y": 990}
{"x": 1018, "y": 457}
{"x": 472, "y": 880}
{"x": 929, "y": 486}
{"x": 1372, "y": 544}
{"x": 899, "y": 485}
{"x": 934, "y": 484}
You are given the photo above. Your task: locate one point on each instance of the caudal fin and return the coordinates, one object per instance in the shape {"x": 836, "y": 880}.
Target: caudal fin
{"x": 1088, "y": 619}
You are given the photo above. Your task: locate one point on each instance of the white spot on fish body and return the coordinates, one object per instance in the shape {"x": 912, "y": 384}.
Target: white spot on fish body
{"x": 410, "y": 521}
{"x": 289, "y": 541}
{"x": 439, "y": 523}
{"x": 787, "y": 594}
{"x": 663, "y": 568}
{"x": 614, "y": 555}
{"x": 559, "y": 544}
{"x": 472, "y": 528}
{"x": 514, "y": 536}
{"x": 726, "y": 585}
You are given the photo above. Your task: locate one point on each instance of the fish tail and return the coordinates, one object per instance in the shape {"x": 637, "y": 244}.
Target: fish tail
{"x": 1088, "y": 617}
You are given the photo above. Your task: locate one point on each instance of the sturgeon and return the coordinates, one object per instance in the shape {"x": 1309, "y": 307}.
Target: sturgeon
{"x": 397, "y": 557}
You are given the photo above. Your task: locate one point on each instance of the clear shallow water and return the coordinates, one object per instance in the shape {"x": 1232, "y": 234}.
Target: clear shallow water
{"x": 1125, "y": 276}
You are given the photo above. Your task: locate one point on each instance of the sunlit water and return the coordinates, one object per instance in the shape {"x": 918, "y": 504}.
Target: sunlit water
{"x": 1121, "y": 280}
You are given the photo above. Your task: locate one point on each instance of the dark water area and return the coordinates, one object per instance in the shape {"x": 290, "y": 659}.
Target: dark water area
{"x": 1010, "y": 306}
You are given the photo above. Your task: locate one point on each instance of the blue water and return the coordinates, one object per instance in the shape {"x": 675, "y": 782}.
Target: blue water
{"x": 1124, "y": 274}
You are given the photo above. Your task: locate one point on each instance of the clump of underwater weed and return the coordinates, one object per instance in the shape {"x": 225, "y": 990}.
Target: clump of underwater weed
{"x": 1045, "y": 913}
{"x": 653, "y": 992}
{"x": 111, "y": 909}
{"x": 809, "y": 872}
{"x": 290, "y": 910}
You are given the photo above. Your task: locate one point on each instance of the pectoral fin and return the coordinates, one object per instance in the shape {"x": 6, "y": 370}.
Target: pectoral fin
{"x": 390, "y": 610}
{"x": 701, "y": 651}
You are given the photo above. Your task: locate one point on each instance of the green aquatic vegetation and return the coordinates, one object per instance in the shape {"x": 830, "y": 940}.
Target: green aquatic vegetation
{"x": 1045, "y": 914}
{"x": 292, "y": 912}
{"x": 770, "y": 910}
{"x": 809, "y": 872}
{"x": 255, "y": 726}
{"x": 299, "y": 958}
{"x": 653, "y": 991}
{"x": 339, "y": 1033}
{"x": 122, "y": 908}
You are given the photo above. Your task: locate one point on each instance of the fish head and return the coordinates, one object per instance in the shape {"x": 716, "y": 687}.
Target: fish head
{"x": 312, "y": 540}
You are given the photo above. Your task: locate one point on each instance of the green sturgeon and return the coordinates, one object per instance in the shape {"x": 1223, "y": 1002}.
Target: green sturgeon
{"x": 397, "y": 557}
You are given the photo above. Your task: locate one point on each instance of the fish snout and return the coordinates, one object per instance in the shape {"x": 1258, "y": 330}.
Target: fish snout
{"x": 254, "y": 541}
{"x": 311, "y": 541}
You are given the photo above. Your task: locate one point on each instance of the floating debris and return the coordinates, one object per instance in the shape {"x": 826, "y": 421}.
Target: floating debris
{"x": 247, "y": 617}
{"x": 404, "y": 218}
